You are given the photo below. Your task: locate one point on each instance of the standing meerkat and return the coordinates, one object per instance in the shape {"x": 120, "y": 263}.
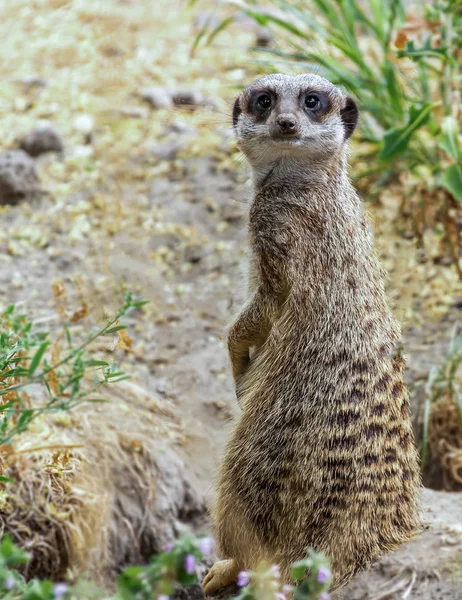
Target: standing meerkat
{"x": 323, "y": 453}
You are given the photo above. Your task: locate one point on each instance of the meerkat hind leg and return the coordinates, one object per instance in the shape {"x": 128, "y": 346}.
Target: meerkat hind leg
{"x": 222, "y": 574}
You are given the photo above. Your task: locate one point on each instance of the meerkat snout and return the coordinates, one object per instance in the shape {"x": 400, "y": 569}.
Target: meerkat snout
{"x": 287, "y": 124}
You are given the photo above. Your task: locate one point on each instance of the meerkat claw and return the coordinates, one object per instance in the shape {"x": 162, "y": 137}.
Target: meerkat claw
{"x": 222, "y": 574}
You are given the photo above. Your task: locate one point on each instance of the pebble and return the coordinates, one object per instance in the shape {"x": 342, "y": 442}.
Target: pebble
{"x": 163, "y": 98}
{"x": 85, "y": 125}
{"x": 42, "y": 139}
{"x": 135, "y": 112}
{"x": 263, "y": 37}
{"x": 157, "y": 98}
{"x": 166, "y": 151}
{"x": 18, "y": 177}
{"x": 190, "y": 98}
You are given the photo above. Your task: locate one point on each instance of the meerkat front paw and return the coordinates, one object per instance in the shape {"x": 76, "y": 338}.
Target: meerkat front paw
{"x": 222, "y": 574}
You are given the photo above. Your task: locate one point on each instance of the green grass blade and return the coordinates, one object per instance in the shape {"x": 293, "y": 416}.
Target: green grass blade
{"x": 218, "y": 29}
{"x": 38, "y": 357}
{"x": 458, "y": 396}
{"x": 263, "y": 19}
{"x": 397, "y": 140}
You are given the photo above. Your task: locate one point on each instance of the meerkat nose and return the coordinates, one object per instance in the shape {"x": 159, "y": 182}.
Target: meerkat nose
{"x": 287, "y": 123}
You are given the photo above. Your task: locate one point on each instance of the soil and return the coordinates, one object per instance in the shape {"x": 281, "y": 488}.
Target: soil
{"x": 165, "y": 219}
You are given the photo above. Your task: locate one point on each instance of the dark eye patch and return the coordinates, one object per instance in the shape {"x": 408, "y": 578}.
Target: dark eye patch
{"x": 349, "y": 114}
{"x": 261, "y": 102}
{"x": 236, "y": 111}
{"x": 321, "y": 109}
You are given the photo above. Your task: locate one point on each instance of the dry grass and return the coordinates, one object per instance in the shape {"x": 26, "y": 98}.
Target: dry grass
{"x": 445, "y": 445}
{"x": 68, "y": 502}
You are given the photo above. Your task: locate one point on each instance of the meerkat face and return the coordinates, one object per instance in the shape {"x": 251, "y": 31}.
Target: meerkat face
{"x": 292, "y": 116}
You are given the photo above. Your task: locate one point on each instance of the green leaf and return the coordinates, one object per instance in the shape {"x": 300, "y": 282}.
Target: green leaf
{"x": 38, "y": 357}
{"x": 416, "y": 53}
{"x": 396, "y": 140}
{"x": 11, "y": 555}
{"x": 395, "y": 92}
{"x": 68, "y": 335}
{"x": 458, "y": 396}
{"x": 263, "y": 19}
{"x": 452, "y": 181}
{"x": 97, "y": 400}
{"x": 450, "y": 138}
{"x": 299, "y": 569}
{"x": 210, "y": 39}
{"x": 24, "y": 420}
{"x": 96, "y": 363}
{"x": 114, "y": 329}
{"x": 6, "y": 479}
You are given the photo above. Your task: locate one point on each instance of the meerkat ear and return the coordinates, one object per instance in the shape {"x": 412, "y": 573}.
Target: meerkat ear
{"x": 236, "y": 111}
{"x": 349, "y": 114}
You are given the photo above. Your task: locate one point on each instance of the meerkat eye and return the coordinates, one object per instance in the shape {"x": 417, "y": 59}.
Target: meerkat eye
{"x": 263, "y": 102}
{"x": 312, "y": 102}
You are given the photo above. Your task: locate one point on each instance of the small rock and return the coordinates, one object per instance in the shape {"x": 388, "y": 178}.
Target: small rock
{"x": 263, "y": 37}
{"x": 193, "y": 253}
{"x": 190, "y": 98}
{"x": 167, "y": 151}
{"x": 32, "y": 81}
{"x": 135, "y": 112}
{"x": 157, "y": 97}
{"x": 161, "y": 388}
{"x": 85, "y": 124}
{"x": 181, "y": 128}
{"x": 18, "y": 177}
{"x": 44, "y": 138}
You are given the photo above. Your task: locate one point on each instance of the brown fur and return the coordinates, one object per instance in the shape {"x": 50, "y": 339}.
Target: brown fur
{"x": 323, "y": 454}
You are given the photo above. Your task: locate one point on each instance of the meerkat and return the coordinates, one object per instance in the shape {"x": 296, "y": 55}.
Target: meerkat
{"x": 322, "y": 454}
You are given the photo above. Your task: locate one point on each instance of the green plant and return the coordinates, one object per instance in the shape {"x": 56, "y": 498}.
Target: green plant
{"x": 175, "y": 566}
{"x": 31, "y": 360}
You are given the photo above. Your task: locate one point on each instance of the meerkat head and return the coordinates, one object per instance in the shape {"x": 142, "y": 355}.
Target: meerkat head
{"x": 293, "y": 116}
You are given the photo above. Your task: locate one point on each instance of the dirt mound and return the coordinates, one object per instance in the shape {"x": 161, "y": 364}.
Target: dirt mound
{"x": 107, "y": 492}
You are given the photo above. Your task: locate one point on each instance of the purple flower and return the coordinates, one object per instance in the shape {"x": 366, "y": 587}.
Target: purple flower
{"x": 169, "y": 547}
{"x": 280, "y": 596}
{"x": 190, "y": 564}
{"x": 287, "y": 589}
{"x": 323, "y": 575}
{"x": 206, "y": 546}
{"x": 60, "y": 590}
{"x": 9, "y": 583}
{"x": 163, "y": 597}
{"x": 276, "y": 571}
{"x": 324, "y": 596}
{"x": 243, "y": 579}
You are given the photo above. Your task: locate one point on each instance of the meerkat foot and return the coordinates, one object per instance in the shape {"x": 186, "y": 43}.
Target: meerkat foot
{"x": 222, "y": 574}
